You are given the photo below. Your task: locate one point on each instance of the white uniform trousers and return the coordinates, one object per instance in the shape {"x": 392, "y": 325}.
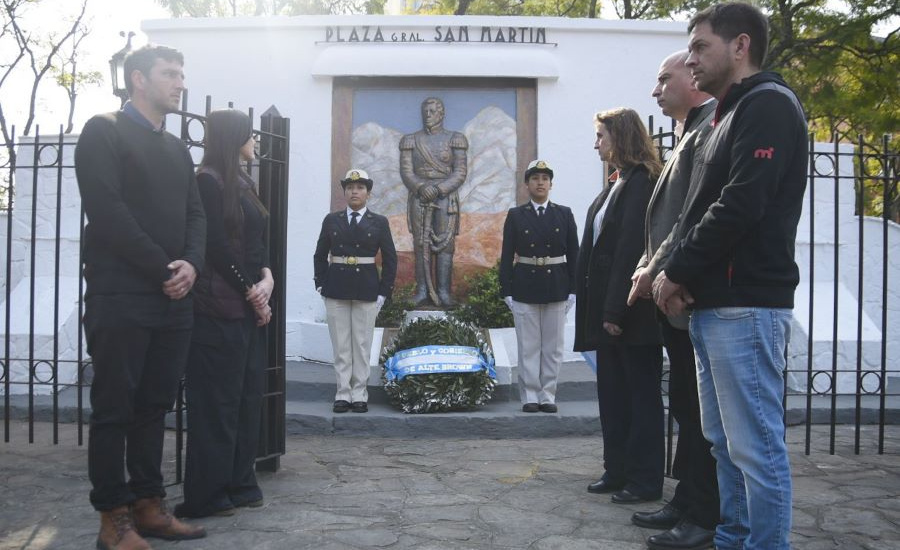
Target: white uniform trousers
{"x": 540, "y": 329}
{"x": 351, "y": 324}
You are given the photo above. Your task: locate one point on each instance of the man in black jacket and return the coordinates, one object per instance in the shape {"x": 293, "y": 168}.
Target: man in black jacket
{"x": 143, "y": 246}
{"x": 692, "y": 514}
{"x": 734, "y": 261}
{"x": 537, "y": 282}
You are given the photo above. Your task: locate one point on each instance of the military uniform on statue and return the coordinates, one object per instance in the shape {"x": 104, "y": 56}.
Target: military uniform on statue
{"x": 433, "y": 166}
{"x": 348, "y": 280}
{"x": 537, "y": 281}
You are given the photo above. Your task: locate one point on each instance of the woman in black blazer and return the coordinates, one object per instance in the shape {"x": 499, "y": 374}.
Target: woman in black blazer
{"x": 626, "y": 339}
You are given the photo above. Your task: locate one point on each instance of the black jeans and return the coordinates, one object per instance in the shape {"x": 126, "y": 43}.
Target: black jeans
{"x": 138, "y": 346}
{"x": 631, "y": 416}
{"x": 697, "y": 492}
{"x": 224, "y": 385}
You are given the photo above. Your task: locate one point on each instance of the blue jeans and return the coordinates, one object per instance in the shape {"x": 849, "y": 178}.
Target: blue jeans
{"x": 740, "y": 377}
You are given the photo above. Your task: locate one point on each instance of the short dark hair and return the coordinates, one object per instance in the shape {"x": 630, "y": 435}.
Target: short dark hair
{"x": 729, "y": 19}
{"x": 143, "y": 58}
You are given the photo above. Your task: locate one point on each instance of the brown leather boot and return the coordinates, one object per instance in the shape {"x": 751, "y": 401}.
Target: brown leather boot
{"x": 153, "y": 519}
{"x": 117, "y": 531}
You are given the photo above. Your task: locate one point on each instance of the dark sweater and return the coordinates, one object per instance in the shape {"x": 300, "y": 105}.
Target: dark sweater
{"x": 142, "y": 204}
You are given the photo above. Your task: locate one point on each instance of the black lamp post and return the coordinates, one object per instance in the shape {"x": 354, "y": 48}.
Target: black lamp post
{"x": 117, "y": 69}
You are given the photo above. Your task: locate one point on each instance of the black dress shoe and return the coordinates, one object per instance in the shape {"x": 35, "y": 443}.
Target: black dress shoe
{"x": 341, "y": 406}
{"x": 684, "y": 536}
{"x": 531, "y": 407}
{"x": 548, "y": 407}
{"x": 605, "y": 486}
{"x": 181, "y": 511}
{"x": 359, "y": 407}
{"x": 665, "y": 518}
{"x": 627, "y": 497}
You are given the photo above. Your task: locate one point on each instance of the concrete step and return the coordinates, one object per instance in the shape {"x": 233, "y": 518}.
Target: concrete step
{"x": 496, "y": 419}
{"x": 315, "y": 381}
{"x": 310, "y": 394}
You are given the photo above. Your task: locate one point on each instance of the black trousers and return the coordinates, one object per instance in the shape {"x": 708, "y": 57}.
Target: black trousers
{"x": 224, "y": 385}
{"x": 631, "y": 415}
{"x": 138, "y": 346}
{"x": 697, "y": 492}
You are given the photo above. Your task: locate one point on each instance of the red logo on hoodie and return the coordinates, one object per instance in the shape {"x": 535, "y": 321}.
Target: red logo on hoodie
{"x": 764, "y": 153}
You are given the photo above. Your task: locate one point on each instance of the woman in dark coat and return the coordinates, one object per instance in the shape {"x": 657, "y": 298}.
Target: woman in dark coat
{"x": 626, "y": 339}
{"x": 224, "y": 380}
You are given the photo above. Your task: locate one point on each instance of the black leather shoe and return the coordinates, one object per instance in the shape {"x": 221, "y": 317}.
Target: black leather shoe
{"x": 531, "y": 407}
{"x": 684, "y": 536}
{"x": 341, "y": 406}
{"x": 359, "y": 407}
{"x": 604, "y": 486}
{"x": 665, "y": 518}
{"x": 627, "y": 497}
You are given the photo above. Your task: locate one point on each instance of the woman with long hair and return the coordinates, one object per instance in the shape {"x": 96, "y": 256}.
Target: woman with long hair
{"x": 224, "y": 379}
{"x": 626, "y": 339}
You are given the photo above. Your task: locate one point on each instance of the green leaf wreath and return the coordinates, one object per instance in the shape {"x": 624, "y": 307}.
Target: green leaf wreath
{"x": 440, "y": 392}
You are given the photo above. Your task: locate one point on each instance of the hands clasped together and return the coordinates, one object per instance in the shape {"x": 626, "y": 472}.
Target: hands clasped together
{"x": 183, "y": 276}
{"x": 258, "y": 295}
{"x": 670, "y": 297}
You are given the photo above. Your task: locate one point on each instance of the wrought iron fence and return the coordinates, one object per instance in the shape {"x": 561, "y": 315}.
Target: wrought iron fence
{"x": 844, "y": 357}
{"x": 46, "y": 372}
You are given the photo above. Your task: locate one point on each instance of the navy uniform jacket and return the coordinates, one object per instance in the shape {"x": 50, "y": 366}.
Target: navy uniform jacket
{"x": 355, "y": 282}
{"x": 527, "y": 235}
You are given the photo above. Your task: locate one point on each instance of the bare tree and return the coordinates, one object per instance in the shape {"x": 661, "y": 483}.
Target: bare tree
{"x": 67, "y": 75}
{"x": 40, "y": 59}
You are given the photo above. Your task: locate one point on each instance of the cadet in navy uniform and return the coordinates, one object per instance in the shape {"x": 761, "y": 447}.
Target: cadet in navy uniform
{"x": 537, "y": 282}
{"x": 347, "y": 279}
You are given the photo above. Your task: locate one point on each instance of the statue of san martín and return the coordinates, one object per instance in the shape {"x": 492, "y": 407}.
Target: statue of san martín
{"x": 433, "y": 167}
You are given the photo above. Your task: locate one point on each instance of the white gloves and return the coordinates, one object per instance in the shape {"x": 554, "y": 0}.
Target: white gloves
{"x": 379, "y": 302}
{"x": 508, "y": 301}
{"x": 570, "y": 303}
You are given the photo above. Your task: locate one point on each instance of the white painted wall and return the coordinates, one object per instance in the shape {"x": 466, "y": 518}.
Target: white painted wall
{"x": 590, "y": 65}
{"x": 594, "y": 65}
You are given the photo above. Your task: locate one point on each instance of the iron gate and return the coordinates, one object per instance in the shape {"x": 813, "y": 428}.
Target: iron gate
{"x": 46, "y": 372}
{"x": 847, "y": 368}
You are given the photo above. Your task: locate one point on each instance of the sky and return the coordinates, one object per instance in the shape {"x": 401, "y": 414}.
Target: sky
{"x": 107, "y": 18}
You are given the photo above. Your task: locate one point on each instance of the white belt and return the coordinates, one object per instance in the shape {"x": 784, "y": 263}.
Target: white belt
{"x": 542, "y": 260}
{"x": 353, "y": 260}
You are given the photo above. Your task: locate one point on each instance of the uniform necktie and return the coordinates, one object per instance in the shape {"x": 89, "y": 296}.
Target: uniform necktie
{"x": 540, "y": 211}
{"x": 353, "y": 220}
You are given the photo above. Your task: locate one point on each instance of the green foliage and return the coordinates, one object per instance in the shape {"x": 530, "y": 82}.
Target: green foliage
{"x": 844, "y": 74}
{"x": 394, "y": 310}
{"x": 484, "y": 306}
{"x": 443, "y": 392}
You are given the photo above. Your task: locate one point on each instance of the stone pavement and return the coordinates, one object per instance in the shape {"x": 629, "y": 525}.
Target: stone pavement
{"x": 343, "y": 492}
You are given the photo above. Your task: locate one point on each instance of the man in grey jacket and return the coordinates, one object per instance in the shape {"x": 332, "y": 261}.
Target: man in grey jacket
{"x": 693, "y": 512}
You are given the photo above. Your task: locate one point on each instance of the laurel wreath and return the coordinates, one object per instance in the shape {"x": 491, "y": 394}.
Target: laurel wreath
{"x": 440, "y": 392}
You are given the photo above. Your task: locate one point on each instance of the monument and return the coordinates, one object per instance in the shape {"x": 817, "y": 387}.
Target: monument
{"x": 433, "y": 166}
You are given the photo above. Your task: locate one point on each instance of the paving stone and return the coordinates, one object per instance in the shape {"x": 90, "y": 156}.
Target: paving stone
{"x": 338, "y": 492}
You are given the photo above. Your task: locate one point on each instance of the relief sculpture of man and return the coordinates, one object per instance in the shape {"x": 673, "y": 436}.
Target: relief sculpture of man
{"x": 433, "y": 167}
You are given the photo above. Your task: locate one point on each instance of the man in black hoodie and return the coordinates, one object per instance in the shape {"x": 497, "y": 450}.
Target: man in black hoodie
{"x": 734, "y": 263}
